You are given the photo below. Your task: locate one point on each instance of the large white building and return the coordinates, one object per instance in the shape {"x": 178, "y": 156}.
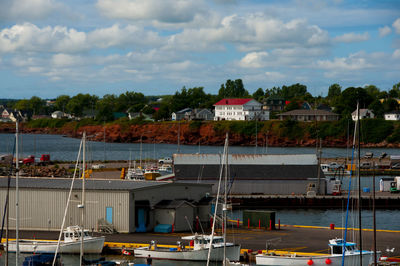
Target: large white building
{"x": 240, "y": 109}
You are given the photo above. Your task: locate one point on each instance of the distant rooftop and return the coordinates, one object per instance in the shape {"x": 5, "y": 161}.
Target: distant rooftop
{"x": 233, "y": 101}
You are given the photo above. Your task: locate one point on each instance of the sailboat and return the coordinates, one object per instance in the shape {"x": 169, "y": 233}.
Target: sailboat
{"x": 75, "y": 238}
{"x": 204, "y": 247}
{"x": 342, "y": 252}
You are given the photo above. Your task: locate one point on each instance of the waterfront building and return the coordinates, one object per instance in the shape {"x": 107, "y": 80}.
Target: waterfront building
{"x": 305, "y": 115}
{"x": 240, "y": 109}
{"x": 121, "y": 205}
{"x": 254, "y": 173}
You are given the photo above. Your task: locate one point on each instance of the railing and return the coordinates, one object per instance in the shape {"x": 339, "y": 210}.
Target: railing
{"x": 105, "y": 227}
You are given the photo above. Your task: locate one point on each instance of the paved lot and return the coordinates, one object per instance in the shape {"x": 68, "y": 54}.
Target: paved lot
{"x": 289, "y": 238}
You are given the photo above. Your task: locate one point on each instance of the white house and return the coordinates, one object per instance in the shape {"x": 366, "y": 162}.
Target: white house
{"x": 364, "y": 113}
{"x": 59, "y": 115}
{"x": 240, "y": 109}
{"x": 395, "y": 116}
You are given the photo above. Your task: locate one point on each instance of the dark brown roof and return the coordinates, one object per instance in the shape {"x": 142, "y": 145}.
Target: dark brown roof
{"x": 308, "y": 112}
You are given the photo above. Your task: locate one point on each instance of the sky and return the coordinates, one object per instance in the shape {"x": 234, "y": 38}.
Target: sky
{"x": 54, "y": 47}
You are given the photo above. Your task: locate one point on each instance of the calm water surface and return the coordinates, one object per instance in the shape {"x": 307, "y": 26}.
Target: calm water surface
{"x": 65, "y": 149}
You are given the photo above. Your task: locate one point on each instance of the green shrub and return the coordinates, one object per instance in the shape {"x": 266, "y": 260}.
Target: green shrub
{"x": 47, "y": 122}
{"x": 375, "y": 130}
{"x": 195, "y": 125}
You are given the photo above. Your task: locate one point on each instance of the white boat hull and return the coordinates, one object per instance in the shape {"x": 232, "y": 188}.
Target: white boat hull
{"x": 350, "y": 259}
{"x": 217, "y": 253}
{"x": 94, "y": 246}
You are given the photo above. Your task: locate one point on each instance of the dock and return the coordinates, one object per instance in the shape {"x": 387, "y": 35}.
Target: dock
{"x": 383, "y": 200}
{"x": 289, "y": 238}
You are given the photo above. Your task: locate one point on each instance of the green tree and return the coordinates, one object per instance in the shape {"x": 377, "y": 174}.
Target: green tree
{"x": 295, "y": 90}
{"x": 232, "y": 89}
{"x": 372, "y": 90}
{"x": 334, "y": 91}
{"x": 377, "y": 108}
{"x": 61, "y": 102}
{"x": 35, "y": 105}
{"x": 347, "y": 102}
{"x": 106, "y": 106}
{"x": 390, "y": 105}
{"x": 81, "y": 102}
{"x": 258, "y": 94}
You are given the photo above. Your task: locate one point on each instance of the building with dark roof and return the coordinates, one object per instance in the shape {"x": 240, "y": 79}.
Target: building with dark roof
{"x": 309, "y": 115}
{"x": 122, "y": 204}
{"x": 253, "y": 173}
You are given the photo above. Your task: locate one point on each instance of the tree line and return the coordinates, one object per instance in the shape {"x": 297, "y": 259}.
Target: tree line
{"x": 343, "y": 101}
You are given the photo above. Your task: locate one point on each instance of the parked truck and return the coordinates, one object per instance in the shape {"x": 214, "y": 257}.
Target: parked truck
{"x": 43, "y": 160}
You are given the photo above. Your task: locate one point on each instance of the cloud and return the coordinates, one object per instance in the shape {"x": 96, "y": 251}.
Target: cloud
{"x": 65, "y": 60}
{"x": 274, "y": 76}
{"x": 117, "y": 36}
{"x": 396, "y": 54}
{"x": 28, "y": 37}
{"x": 251, "y": 32}
{"x": 353, "y": 62}
{"x": 396, "y": 25}
{"x": 384, "y": 31}
{"x": 28, "y": 9}
{"x": 169, "y": 11}
{"x": 254, "y": 60}
{"x": 352, "y": 37}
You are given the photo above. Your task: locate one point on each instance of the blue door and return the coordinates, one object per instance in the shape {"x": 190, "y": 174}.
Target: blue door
{"x": 141, "y": 216}
{"x": 109, "y": 215}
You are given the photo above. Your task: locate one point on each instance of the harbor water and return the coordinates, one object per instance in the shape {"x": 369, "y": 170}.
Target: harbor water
{"x": 65, "y": 149}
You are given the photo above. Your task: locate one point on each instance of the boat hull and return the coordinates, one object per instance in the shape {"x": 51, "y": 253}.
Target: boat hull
{"x": 350, "y": 259}
{"x": 93, "y": 246}
{"x": 217, "y": 254}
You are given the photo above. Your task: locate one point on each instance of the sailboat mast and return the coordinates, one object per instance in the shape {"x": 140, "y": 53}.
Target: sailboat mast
{"x": 359, "y": 184}
{"x": 374, "y": 213}
{"x": 225, "y": 208}
{"x": 16, "y": 195}
{"x": 83, "y": 194}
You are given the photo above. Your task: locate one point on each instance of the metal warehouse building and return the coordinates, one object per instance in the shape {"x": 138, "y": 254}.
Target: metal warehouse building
{"x": 125, "y": 205}
{"x": 254, "y": 173}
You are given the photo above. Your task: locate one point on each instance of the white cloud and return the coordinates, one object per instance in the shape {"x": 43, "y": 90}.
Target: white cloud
{"x": 396, "y": 25}
{"x": 254, "y": 60}
{"x": 251, "y": 32}
{"x": 274, "y": 76}
{"x": 65, "y": 60}
{"x": 352, "y": 37}
{"x": 117, "y": 36}
{"x": 384, "y": 31}
{"x": 396, "y": 54}
{"x": 28, "y": 37}
{"x": 28, "y": 9}
{"x": 353, "y": 62}
{"x": 170, "y": 11}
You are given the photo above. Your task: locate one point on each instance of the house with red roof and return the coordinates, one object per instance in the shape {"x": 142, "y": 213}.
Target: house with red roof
{"x": 240, "y": 109}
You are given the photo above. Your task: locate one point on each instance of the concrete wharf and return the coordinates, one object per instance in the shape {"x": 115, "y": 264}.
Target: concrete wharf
{"x": 383, "y": 200}
{"x": 290, "y": 238}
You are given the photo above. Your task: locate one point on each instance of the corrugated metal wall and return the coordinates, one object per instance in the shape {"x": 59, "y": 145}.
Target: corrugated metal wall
{"x": 277, "y": 187}
{"x": 42, "y": 209}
